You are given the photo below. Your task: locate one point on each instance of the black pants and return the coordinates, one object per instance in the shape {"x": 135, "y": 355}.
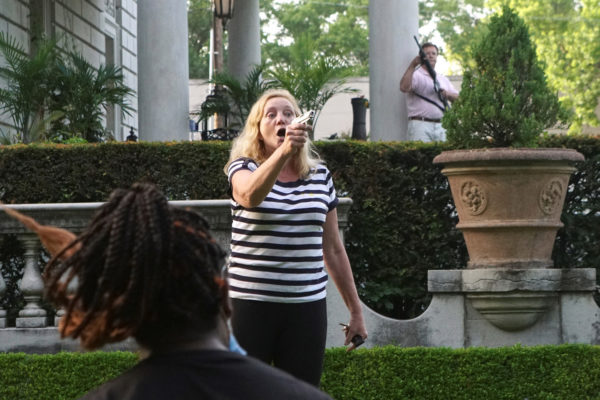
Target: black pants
{"x": 291, "y": 336}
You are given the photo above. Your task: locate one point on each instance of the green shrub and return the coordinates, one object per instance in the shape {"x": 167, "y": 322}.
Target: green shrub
{"x": 45, "y": 173}
{"x": 60, "y": 89}
{"x": 62, "y": 376}
{"x": 387, "y": 373}
{"x": 504, "y": 99}
{"x": 543, "y": 372}
{"x": 402, "y": 222}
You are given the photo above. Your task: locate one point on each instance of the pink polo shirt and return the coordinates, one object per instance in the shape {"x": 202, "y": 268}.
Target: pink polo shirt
{"x": 423, "y": 84}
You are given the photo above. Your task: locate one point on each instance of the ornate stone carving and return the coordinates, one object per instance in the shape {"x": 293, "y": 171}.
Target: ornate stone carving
{"x": 473, "y": 197}
{"x": 550, "y": 197}
{"x": 109, "y": 6}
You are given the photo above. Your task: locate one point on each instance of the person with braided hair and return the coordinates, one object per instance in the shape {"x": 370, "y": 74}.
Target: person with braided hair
{"x": 151, "y": 271}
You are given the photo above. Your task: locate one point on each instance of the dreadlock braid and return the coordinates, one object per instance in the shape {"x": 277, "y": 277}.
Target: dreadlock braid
{"x": 144, "y": 269}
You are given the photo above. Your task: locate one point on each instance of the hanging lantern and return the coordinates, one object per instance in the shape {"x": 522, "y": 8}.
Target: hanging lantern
{"x": 223, "y": 9}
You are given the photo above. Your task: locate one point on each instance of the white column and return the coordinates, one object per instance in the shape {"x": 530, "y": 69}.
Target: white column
{"x": 163, "y": 71}
{"x": 2, "y": 291}
{"x": 392, "y": 24}
{"x": 244, "y": 38}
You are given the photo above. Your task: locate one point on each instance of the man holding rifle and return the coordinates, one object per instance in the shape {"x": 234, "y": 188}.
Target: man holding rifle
{"x": 427, "y": 97}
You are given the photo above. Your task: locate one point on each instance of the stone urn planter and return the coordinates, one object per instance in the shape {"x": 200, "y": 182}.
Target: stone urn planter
{"x": 509, "y": 203}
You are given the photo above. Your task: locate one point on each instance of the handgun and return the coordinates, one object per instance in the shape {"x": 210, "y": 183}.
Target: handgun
{"x": 305, "y": 118}
{"x": 357, "y": 340}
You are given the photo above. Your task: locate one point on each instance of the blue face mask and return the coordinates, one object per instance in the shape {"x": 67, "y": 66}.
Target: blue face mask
{"x": 234, "y": 346}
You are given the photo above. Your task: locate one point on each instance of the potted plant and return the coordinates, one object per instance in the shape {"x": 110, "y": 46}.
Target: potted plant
{"x": 508, "y": 193}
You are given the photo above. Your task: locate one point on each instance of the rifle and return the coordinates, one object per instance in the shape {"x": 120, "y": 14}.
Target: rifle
{"x": 436, "y": 84}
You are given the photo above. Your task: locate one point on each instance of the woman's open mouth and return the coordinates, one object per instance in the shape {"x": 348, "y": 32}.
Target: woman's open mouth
{"x": 281, "y": 132}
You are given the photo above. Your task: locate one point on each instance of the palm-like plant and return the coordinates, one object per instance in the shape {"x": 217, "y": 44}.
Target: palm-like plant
{"x": 234, "y": 96}
{"x": 311, "y": 78}
{"x": 29, "y": 84}
{"x": 83, "y": 93}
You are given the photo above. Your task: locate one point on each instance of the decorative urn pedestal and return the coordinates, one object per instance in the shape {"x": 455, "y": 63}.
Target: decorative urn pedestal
{"x": 509, "y": 203}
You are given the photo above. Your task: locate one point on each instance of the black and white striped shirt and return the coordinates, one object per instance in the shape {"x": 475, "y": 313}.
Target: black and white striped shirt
{"x": 277, "y": 247}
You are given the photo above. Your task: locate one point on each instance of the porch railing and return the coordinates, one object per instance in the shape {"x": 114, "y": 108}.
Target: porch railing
{"x": 75, "y": 217}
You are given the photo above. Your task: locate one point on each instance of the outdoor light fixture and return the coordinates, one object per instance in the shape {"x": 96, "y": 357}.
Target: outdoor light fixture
{"x": 223, "y": 9}
{"x": 131, "y": 137}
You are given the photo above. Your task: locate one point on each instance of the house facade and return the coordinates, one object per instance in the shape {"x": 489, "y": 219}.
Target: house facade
{"x": 149, "y": 41}
{"x": 103, "y": 31}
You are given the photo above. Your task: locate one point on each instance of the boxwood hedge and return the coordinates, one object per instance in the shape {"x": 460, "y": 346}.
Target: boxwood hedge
{"x": 402, "y": 222}
{"x": 387, "y": 373}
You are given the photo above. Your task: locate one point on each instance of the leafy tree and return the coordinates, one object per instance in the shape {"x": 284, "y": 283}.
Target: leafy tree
{"x": 455, "y": 20}
{"x": 504, "y": 100}
{"x": 568, "y": 40}
{"x": 565, "y": 33}
{"x": 200, "y": 16}
{"x": 337, "y": 29}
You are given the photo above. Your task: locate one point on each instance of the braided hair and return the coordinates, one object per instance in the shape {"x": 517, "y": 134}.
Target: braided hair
{"x": 143, "y": 269}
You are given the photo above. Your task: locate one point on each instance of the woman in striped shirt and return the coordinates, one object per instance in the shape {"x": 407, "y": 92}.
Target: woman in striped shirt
{"x": 284, "y": 234}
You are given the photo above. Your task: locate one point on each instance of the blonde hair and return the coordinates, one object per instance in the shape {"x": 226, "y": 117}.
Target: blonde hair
{"x": 248, "y": 144}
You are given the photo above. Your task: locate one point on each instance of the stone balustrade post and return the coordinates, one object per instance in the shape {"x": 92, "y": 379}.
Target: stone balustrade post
{"x": 32, "y": 286}
{"x": 2, "y": 291}
{"x": 71, "y": 290}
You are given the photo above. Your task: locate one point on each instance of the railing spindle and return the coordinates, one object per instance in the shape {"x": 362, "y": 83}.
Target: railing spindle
{"x": 32, "y": 315}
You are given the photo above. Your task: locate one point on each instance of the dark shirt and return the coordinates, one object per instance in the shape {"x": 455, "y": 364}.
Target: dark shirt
{"x": 201, "y": 375}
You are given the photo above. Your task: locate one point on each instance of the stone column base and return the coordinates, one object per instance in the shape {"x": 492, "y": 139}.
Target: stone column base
{"x": 529, "y": 306}
{"x": 31, "y": 318}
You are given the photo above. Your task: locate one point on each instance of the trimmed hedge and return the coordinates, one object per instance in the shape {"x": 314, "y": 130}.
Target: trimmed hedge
{"x": 61, "y": 376}
{"x": 402, "y": 222}
{"x": 544, "y": 372}
{"x": 387, "y": 373}
{"x": 46, "y": 173}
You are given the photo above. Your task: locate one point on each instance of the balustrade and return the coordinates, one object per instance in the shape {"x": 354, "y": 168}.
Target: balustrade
{"x": 449, "y": 321}
{"x": 74, "y": 217}
{"x": 2, "y": 311}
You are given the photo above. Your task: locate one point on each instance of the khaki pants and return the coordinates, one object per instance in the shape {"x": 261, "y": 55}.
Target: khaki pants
{"x": 426, "y": 131}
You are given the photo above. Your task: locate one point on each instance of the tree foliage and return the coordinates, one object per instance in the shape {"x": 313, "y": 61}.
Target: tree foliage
{"x": 568, "y": 40}
{"x": 504, "y": 100}
{"x": 565, "y": 33}
{"x": 455, "y": 20}
{"x": 337, "y": 29}
{"x": 199, "y": 25}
